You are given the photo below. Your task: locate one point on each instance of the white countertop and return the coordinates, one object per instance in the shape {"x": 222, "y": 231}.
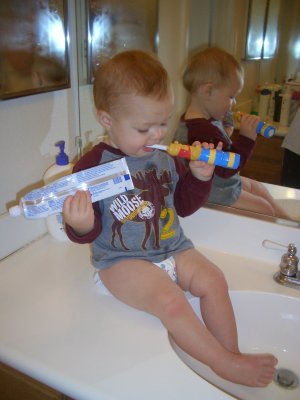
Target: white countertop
{"x": 58, "y": 328}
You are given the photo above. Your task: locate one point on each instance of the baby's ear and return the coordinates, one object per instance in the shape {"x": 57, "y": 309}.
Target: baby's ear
{"x": 104, "y": 119}
{"x": 207, "y": 88}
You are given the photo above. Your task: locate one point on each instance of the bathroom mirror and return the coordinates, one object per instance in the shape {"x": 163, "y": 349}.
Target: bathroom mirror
{"x": 214, "y": 22}
{"x": 228, "y": 29}
{"x": 257, "y": 19}
{"x": 34, "y": 53}
{"x": 262, "y": 32}
{"x": 118, "y": 25}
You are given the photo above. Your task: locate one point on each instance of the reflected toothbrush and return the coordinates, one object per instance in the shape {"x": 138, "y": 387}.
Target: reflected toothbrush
{"x": 263, "y": 129}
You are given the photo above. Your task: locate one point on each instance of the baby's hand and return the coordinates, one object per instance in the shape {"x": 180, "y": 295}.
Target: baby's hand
{"x": 78, "y": 212}
{"x": 248, "y": 126}
{"x": 200, "y": 169}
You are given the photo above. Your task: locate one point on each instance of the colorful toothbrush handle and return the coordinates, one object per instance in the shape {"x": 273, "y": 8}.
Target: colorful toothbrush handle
{"x": 210, "y": 156}
{"x": 263, "y": 129}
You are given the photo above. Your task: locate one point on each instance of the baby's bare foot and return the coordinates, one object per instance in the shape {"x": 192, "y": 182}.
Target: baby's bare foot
{"x": 255, "y": 370}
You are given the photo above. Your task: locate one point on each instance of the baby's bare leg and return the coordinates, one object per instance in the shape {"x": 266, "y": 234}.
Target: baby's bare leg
{"x": 256, "y": 197}
{"x": 142, "y": 285}
{"x": 205, "y": 280}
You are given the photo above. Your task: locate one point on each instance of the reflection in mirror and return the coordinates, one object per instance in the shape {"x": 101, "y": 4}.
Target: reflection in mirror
{"x": 262, "y": 29}
{"x": 271, "y": 34}
{"x": 256, "y": 29}
{"x": 119, "y": 25}
{"x": 33, "y": 47}
{"x": 265, "y": 164}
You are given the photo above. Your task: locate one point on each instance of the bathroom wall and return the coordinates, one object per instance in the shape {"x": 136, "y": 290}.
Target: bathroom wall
{"x": 28, "y": 130}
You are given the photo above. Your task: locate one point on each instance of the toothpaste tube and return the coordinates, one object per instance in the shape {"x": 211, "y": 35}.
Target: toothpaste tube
{"x": 104, "y": 180}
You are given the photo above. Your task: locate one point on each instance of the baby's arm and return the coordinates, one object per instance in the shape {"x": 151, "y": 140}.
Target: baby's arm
{"x": 248, "y": 126}
{"x": 79, "y": 213}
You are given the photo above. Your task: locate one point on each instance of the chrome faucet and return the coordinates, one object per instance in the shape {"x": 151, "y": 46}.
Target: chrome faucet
{"x": 288, "y": 273}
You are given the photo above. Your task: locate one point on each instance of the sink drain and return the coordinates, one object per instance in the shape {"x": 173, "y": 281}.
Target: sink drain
{"x": 286, "y": 379}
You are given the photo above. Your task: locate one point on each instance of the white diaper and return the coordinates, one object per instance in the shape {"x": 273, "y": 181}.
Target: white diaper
{"x": 99, "y": 283}
{"x": 167, "y": 265}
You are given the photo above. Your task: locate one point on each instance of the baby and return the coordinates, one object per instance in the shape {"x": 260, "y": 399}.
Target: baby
{"x": 144, "y": 259}
{"x": 213, "y": 79}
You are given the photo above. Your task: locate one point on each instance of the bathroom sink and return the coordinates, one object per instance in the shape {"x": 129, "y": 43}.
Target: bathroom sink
{"x": 267, "y": 323}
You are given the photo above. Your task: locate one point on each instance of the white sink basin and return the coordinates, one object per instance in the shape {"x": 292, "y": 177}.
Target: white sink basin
{"x": 267, "y": 323}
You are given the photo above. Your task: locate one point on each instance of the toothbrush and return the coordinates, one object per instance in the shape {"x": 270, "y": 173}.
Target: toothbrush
{"x": 210, "y": 156}
{"x": 262, "y": 128}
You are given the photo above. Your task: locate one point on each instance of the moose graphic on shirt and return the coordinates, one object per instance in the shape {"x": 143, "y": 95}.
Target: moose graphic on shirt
{"x": 147, "y": 207}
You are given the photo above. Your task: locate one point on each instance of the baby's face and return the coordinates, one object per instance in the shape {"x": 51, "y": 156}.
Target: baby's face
{"x": 223, "y": 98}
{"x": 140, "y": 121}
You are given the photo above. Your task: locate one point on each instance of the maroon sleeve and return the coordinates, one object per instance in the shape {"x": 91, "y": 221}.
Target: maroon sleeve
{"x": 202, "y": 130}
{"x": 190, "y": 193}
{"x": 242, "y": 146}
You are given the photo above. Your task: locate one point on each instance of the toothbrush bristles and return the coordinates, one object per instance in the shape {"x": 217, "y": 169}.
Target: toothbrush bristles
{"x": 158, "y": 146}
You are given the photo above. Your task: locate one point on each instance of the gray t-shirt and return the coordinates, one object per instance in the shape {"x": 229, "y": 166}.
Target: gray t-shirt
{"x": 141, "y": 223}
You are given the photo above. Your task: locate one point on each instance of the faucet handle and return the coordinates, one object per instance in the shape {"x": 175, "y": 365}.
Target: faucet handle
{"x": 270, "y": 244}
{"x": 289, "y": 261}
{"x": 292, "y": 249}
